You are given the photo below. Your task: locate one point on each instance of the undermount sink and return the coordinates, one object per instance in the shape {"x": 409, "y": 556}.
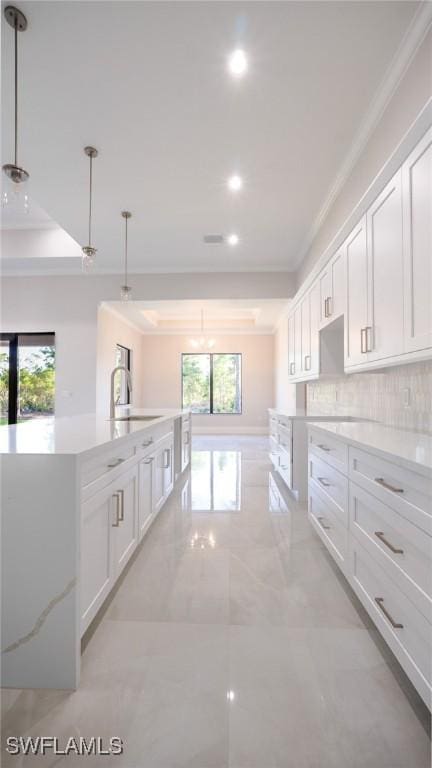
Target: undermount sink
{"x": 136, "y": 418}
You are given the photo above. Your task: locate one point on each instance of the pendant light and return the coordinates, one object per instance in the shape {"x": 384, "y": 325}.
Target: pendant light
{"x": 126, "y": 290}
{"x": 15, "y": 189}
{"x": 88, "y": 251}
{"x": 203, "y": 342}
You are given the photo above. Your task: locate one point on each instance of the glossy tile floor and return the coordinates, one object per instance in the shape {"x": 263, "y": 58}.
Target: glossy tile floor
{"x": 233, "y": 642}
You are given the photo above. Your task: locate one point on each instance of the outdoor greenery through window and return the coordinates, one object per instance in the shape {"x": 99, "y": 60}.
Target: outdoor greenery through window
{"x": 211, "y": 383}
{"x": 27, "y": 376}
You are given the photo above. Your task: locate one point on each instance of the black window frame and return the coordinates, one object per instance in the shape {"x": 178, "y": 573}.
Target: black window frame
{"x": 128, "y": 366}
{"x": 211, "y": 355}
{"x": 12, "y": 338}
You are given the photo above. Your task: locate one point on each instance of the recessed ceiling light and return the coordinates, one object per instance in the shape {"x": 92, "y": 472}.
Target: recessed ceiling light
{"x": 238, "y": 63}
{"x": 235, "y": 183}
{"x": 233, "y": 239}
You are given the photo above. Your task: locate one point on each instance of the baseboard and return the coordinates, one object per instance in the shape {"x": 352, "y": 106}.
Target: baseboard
{"x": 229, "y": 430}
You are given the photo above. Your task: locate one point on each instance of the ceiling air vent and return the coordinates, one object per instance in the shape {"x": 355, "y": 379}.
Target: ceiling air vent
{"x": 213, "y": 239}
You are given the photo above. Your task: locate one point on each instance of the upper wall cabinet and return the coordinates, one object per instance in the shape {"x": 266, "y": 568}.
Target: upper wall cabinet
{"x": 357, "y": 293}
{"x": 380, "y": 281}
{"x": 332, "y": 289}
{"x": 417, "y": 224}
{"x": 385, "y": 326}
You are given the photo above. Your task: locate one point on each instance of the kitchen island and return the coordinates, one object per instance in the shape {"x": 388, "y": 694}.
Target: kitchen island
{"x": 78, "y": 495}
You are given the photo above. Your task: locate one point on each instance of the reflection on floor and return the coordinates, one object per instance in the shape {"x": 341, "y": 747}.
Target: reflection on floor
{"x": 233, "y": 642}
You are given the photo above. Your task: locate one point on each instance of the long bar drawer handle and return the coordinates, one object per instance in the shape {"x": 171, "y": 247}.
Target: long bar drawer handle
{"x": 116, "y": 496}
{"x": 147, "y": 443}
{"x": 115, "y": 463}
{"x": 380, "y": 603}
{"x": 324, "y": 448}
{"x": 121, "y": 505}
{"x": 322, "y": 480}
{"x": 320, "y": 520}
{"x": 381, "y": 481}
{"x": 381, "y": 537}
{"x": 150, "y": 460}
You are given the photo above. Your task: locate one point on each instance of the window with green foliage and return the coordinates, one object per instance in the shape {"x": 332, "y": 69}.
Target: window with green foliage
{"x": 211, "y": 383}
{"x": 27, "y": 376}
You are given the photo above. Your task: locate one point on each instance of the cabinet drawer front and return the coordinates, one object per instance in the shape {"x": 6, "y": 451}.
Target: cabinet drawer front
{"x": 388, "y": 606}
{"x": 330, "y": 449}
{"x": 106, "y": 465}
{"x": 285, "y": 466}
{"x": 330, "y": 480}
{"x": 328, "y": 526}
{"x": 403, "y": 490}
{"x": 274, "y": 451}
{"x": 273, "y": 426}
{"x": 402, "y": 549}
{"x": 285, "y": 439}
{"x": 284, "y": 421}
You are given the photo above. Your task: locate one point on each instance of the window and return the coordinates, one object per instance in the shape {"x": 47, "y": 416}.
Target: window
{"x": 121, "y": 391}
{"x": 27, "y": 376}
{"x": 211, "y": 383}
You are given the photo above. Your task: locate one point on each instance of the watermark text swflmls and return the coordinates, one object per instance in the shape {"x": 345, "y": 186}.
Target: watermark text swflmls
{"x": 43, "y": 745}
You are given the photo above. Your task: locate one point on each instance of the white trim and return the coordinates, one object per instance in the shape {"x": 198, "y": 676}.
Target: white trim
{"x": 228, "y": 430}
{"x": 415, "y": 132}
{"x": 394, "y": 74}
{"x": 119, "y": 316}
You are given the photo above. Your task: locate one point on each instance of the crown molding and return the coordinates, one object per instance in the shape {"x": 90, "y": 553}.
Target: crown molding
{"x": 399, "y": 64}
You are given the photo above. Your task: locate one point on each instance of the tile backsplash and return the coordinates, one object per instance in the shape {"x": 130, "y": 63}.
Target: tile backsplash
{"x": 400, "y": 396}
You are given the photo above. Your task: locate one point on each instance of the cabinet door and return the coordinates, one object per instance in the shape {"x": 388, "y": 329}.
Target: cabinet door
{"x": 186, "y": 448}
{"x": 314, "y": 304}
{"x": 305, "y": 362}
{"x": 158, "y": 480}
{"x": 357, "y": 283}
{"x": 417, "y": 219}
{"x": 325, "y": 295}
{"x": 385, "y": 332}
{"x": 291, "y": 345}
{"x": 126, "y": 533}
{"x": 145, "y": 501}
{"x": 337, "y": 302}
{"x": 168, "y": 475}
{"x": 96, "y": 573}
{"x": 297, "y": 342}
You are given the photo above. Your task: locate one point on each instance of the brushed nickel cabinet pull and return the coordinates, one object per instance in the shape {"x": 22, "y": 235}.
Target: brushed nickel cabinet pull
{"x": 368, "y": 334}
{"x": 147, "y": 443}
{"x": 381, "y": 481}
{"x": 324, "y": 448}
{"x": 167, "y": 460}
{"x": 149, "y": 461}
{"x": 380, "y": 603}
{"x": 381, "y": 537}
{"x": 329, "y": 311}
{"x": 115, "y": 463}
{"x": 307, "y": 362}
{"x": 284, "y": 466}
{"x": 292, "y": 369}
{"x": 325, "y": 308}
{"x": 121, "y": 505}
{"x": 323, "y": 482}
{"x": 320, "y": 520}
{"x": 116, "y": 496}
{"x": 363, "y": 348}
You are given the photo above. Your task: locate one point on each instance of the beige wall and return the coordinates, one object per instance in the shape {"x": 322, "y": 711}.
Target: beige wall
{"x": 161, "y": 379}
{"x": 413, "y": 92}
{"x": 112, "y": 330}
{"x": 69, "y": 305}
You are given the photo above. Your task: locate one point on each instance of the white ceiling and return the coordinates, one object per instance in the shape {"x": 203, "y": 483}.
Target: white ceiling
{"x": 177, "y": 317}
{"x": 147, "y": 84}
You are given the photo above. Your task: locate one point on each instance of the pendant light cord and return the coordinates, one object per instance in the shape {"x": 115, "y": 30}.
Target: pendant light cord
{"x": 16, "y": 89}
{"x": 90, "y": 202}
{"x": 126, "y": 248}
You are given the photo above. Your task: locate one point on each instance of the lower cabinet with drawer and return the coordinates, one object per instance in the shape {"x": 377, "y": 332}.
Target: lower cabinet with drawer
{"x": 118, "y": 506}
{"x": 375, "y": 519}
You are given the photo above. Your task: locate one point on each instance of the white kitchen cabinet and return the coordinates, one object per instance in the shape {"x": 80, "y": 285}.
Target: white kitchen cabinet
{"x": 125, "y": 538}
{"x": 291, "y": 345}
{"x": 145, "y": 503}
{"x": 98, "y": 516}
{"x": 305, "y": 324}
{"x": 186, "y": 447}
{"x": 325, "y": 284}
{"x": 314, "y": 350}
{"x": 297, "y": 341}
{"x": 356, "y": 318}
{"x": 168, "y": 478}
{"x": 417, "y": 222}
{"x": 384, "y": 332}
{"x": 163, "y": 473}
{"x": 332, "y": 288}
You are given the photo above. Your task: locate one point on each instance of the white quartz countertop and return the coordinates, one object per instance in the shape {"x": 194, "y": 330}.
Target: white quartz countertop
{"x": 301, "y": 415}
{"x": 76, "y": 434}
{"x": 412, "y": 448}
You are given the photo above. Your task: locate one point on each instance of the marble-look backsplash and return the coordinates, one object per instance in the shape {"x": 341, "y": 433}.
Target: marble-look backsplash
{"x": 400, "y": 396}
